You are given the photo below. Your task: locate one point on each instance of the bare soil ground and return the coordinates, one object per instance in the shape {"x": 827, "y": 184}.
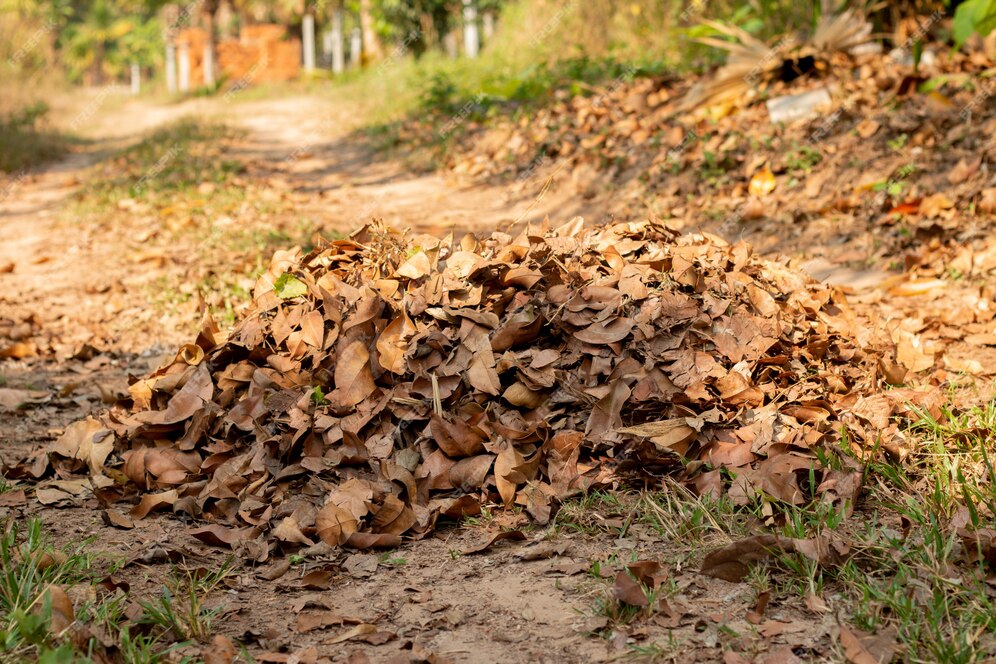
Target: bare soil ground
{"x": 85, "y": 291}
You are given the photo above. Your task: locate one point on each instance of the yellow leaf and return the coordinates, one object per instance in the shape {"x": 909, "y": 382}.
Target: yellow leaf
{"x": 762, "y": 183}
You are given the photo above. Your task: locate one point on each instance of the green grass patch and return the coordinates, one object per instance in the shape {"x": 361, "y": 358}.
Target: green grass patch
{"x": 181, "y": 610}
{"x": 25, "y": 143}
{"x": 35, "y": 578}
{"x": 918, "y": 558}
{"x": 182, "y": 162}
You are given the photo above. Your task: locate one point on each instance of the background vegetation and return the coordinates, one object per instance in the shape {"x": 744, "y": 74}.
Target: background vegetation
{"x": 409, "y": 48}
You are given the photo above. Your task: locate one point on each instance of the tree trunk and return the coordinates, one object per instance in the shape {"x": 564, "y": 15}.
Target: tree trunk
{"x": 226, "y": 20}
{"x": 98, "y": 63}
{"x": 210, "y": 13}
{"x": 371, "y": 44}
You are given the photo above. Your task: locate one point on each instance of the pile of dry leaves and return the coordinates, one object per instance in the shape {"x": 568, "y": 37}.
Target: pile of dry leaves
{"x": 382, "y": 382}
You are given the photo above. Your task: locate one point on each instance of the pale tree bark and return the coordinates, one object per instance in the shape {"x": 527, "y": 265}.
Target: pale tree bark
{"x": 210, "y": 9}
{"x": 371, "y": 44}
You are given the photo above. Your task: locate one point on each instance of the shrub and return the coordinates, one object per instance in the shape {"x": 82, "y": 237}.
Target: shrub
{"x": 23, "y": 143}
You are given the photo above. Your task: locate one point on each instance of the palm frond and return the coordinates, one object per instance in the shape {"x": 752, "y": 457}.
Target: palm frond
{"x": 841, "y": 32}
{"x": 751, "y": 61}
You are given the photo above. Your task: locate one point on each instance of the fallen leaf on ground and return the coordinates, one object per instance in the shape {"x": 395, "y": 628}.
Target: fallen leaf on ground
{"x": 863, "y": 648}
{"x": 116, "y": 519}
{"x": 62, "y": 615}
{"x": 816, "y": 604}
{"x": 491, "y": 540}
{"x": 89, "y": 441}
{"x": 732, "y": 563}
{"x": 356, "y": 633}
{"x": 154, "y": 501}
{"x": 628, "y": 591}
{"x": 13, "y": 498}
{"x": 756, "y": 615}
{"x": 319, "y": 579}
{"x": 762, "y": 183}
{"x": 979, "y": 544}
{"x": 12, "y": 399}
{"x": 221, "y": 650}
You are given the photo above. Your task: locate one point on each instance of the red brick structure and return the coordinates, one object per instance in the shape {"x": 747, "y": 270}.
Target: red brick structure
{"x": 262, "y": 53}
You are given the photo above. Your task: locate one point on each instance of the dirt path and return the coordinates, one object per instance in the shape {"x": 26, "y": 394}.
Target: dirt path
{"x": 77, "y": 296}
{"x": 310, "y": 147}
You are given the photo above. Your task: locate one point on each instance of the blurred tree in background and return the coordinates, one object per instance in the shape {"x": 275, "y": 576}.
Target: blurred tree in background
{"x": 90, "y": 41}
{"x": 95, "y": 45}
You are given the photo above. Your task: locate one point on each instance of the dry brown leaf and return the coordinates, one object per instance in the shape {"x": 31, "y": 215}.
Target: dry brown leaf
{"x": 221, "y": 650}
{"x": 357, "y": 632}
{"x": 392, "y": 344}
{"x": 488, "y": 542}
{"x": 313, "y": 329}
{"x": 915, "y": 287}
{"x": 507, "y": 478}
{"x": 288, "y": 530}
{"x": 981, "y": 339}
{"x": 979, "y": 544}
{"x": 863, "y": 648}
{"x": 353, "y": 380}
{"x": 18, "y": 350}
{"x": 608, "y": 332}
{"x": 309, "y": 621}
{"x": 756, "y": 615}
{"x": 415, "y": 267}
{"x": 911, "y": 352}
{"x": 965, "y": 365}
{"x": 12, "y": 399}
{"x": 934, "y": 205}
{"x": 334, "y": 525}
{"x": 88, "y": 441}
{"x": 191, "y": 354}
{"x": 666, "y": 434}
{"x": 13, "y": 498}
{"x": 116, "y": 519}
{"x": 521, "y": 328}
{"x": 518, "y": 394}
{"x": 373, "y": 540}
{"x": 318, "y": 579}
{"x": 457, "y": 439}
{"x": 218, "y": 535}
{"x": 55, "y": 600}
{"x": 51, "y": 496}
{"x": 629, "y": 591}
{"x": 276, "y": 570}
{"x": 153, "y": 501}
{"x": 816, "y": 604}
{"x": 733, "y": 562}
{"x": 867, "y": 128}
